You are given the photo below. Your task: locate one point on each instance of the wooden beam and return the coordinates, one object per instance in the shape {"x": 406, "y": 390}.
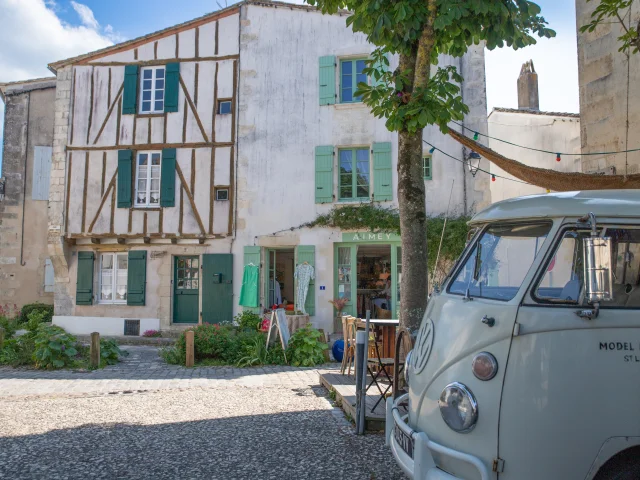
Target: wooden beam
{"x": 151, "y": 63}
{"x": 67, "y": 200}
{"x": 174, "y": 240}
{"x": 106, "y": 118}
{"x": 90, "y": 104}
{"x": 194, "y": 110}
{"x": 121, "y": 241}
{"x": 201, "y": 240}
{"x": 146, "y": 239}
{"x": 84, "y": 192}
{"x": 157, "y": 236}
{"x": 95, "y": 240}
{"x": 104, "y": 199}
{"x": 191, "y": 200}
{"x": 152, "y": 146}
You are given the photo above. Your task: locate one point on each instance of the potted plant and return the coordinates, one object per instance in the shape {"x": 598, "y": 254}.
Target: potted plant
{"x": 338, "y": 304}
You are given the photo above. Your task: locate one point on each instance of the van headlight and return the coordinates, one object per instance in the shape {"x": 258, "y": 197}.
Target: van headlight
{"x": 458, "y": 407}
{"x": 407, "y": 367}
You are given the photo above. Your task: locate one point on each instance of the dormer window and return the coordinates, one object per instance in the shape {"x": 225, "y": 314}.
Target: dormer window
{"x": 152, "y": 90}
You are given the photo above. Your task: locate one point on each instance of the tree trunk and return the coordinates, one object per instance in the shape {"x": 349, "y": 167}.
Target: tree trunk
{"x": 413, "y": 226}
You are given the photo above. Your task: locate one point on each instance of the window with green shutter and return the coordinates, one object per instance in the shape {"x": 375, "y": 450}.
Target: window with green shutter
{"x": 130, "y": 94}
{"x": 124, "y": 178}
{"x": 350, "y": 76}
{"x": 113, "y": 278}
{"x": 382, "y": 172}
{"x": 324, "y": 174}
{"x": 354, "y": 176}
{"x": 168, "y": 178}
{"x": 137, "y": 277}
{"x": 426, "y": 167}
{"x": 327, "y": 80}
{"x": 84, "y": 279}
{"x": 172, "y": 86}
{"x": 307, "y": 253}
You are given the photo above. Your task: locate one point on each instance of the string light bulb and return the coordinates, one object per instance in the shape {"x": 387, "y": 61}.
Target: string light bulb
{"x": 475, "y": 136}
{"x": 432, "y": 149}
{"x": 548, "y": 191}
{"x": 558, "y": 157}
{"x": 493, "y": 178}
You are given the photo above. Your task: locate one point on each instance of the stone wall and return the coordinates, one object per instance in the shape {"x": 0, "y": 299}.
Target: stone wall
{"x": 609, "y": 95}
{"x": 57, "y": 248}
{"x": 23, "y": 247}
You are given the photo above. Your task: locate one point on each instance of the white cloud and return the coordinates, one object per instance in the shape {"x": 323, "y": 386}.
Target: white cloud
{"x": 86, "y": 15}
{"x": 32, "y": 36}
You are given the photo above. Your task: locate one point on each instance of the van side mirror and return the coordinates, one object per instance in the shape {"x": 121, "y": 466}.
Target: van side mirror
{"x": 598, "y": 274}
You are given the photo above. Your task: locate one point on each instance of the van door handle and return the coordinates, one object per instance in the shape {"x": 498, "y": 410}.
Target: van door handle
{"x": 488, "y": 321}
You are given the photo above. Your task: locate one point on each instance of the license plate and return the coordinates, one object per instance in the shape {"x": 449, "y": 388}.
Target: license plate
{"x": 404, "y": 440}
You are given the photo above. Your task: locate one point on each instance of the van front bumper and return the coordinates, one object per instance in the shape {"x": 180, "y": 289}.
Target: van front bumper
{"x": 420, "y": 465}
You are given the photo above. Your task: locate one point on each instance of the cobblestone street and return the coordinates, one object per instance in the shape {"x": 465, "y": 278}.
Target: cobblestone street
{"x": 144, "y": 419}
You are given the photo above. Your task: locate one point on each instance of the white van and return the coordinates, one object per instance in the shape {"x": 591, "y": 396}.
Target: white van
{"x": 522, "y": 369}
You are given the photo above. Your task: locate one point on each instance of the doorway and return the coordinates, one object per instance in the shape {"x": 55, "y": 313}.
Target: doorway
{"x": 186, "y": 285}
{"x": 369, "y": 276}
{"x": 280, "y": 281}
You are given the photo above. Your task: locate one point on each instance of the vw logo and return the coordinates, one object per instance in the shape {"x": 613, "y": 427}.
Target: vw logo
{"x": 422, "y": 349}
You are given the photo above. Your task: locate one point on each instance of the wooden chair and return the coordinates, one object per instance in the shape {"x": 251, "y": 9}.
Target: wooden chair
{"x": 349, "y": 335}
{"x": 381, "y": 368}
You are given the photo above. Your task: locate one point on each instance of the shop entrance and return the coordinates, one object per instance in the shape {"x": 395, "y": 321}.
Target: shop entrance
{"x": 279, "y": 281}
{"x": 369, "y": 276}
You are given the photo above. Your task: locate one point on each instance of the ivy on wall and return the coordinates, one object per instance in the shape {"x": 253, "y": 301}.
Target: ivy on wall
{"x": 376, "y": 219}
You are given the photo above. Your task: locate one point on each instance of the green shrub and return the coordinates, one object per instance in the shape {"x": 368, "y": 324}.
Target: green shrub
{"x": 35, "y": 318}
{"x": 18, "y": 351}
{"x": 305, "y": 348}
{"x": 54, "y": 348}
{"x": 36, "y": 307}
{"x": 248, "y": 320}
{"x": 173, "y": 355}
{"x": 256, "y": 353}
{"x": 110, "y": 353}
{"x": 9, "y": 325}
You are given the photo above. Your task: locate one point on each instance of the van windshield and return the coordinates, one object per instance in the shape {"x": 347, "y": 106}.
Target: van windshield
{"x": 499, "y": 261}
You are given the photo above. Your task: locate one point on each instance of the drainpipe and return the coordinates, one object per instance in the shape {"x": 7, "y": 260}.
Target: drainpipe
{"x": 24, "y": 185}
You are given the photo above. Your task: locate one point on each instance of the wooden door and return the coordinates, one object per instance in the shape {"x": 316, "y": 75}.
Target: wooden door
{"x": 217, "y": 288}
{"x": 186, "y": 284}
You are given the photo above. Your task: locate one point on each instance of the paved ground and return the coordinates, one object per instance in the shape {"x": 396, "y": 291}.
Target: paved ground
{"x": 144, "y": 419}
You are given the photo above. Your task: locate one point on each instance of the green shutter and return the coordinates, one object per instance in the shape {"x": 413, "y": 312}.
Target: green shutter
{"x": 252, "y": 255}
{"x": 327, "y": 80}
{"x": 217, "y": 288}
{"x": 379, "y": 65}
{"x": 136, "y": 277}
{"x": 84, "y": 281}
{"x": 307, "y": 253}
{"x": 130, "y": 95}
{"x": 324, "y": 174}
{"x": 124, "y": 178}
{"x": 171, "y": 87}
{"x": 382, "y": 174}
{"x": 168, "y": 178}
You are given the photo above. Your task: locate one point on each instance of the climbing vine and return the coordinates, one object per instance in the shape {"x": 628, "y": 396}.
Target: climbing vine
{"x": 376, "y": 219}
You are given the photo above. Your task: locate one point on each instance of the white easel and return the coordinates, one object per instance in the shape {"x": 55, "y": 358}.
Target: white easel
{"x": 279, "y": 319}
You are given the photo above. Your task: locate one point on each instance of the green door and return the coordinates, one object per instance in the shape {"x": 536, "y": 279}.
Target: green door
{"x": 217, "y": 288}
{"x": 186, "y": 282}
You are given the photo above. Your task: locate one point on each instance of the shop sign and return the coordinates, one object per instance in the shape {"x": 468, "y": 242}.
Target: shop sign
{"x": 370, "y": 237}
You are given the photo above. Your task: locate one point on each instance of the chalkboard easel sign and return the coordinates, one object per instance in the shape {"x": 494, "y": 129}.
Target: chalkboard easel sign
{"x": 279, "y": 320}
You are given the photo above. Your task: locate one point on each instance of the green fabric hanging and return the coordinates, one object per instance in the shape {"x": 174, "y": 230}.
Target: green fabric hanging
{"x": 249, "y": 290}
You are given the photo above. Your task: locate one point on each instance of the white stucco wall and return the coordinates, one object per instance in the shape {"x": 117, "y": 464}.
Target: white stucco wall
{"x": 545, "y": 131}
{"x": 281, "y": 122}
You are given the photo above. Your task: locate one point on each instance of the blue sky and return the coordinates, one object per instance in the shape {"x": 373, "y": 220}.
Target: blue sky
{"x": 36, "y": 32}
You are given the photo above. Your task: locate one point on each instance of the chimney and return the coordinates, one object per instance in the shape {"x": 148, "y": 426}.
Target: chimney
{"x": 528, "y": 88}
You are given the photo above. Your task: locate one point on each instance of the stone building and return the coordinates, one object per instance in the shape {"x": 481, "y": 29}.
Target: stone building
{"x": 609, "y": 94}
{"x": 26, "y": 272}
{"x": 185, "y": 157}
{"x": 528, "y": 126}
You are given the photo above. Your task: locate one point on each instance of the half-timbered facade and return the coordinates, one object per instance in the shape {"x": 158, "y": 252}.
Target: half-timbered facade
{"x": 148, "y": 199}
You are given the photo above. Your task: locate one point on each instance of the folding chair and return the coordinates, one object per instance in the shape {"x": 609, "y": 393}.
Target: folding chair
{"x": 383, "y": 365}
{"x": 349, "y": 335}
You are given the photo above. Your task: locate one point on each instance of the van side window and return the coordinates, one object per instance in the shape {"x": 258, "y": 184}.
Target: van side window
{"x": 563, "y": 280}
{"x": 499, "y": 261}
{"x": 626, "y": 267}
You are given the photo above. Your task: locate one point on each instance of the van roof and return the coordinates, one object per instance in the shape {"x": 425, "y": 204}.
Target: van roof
{"x": 603, "y": 203}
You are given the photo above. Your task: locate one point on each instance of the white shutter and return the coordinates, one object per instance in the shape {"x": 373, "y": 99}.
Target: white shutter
{"x": 41, "y": 173}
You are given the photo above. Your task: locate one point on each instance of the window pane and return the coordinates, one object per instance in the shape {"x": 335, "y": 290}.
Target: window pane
{"x": 159, "y": 94}
{"x": 346, "y": 161}
{"x": 107, "y": 262}
{"x": 500, "y": 260}
{"x": 195, "y": 263}
{"x": 142, "y": 159}
{"x": 347, "y": 95}
{"x": 159, "y": 84}
{"x": 224, "y": 107}
{"x": 346, "y": 192}
{"x": 363, "y": 192}
{"x": 344, "y": 290}
{"x": 563, "y": 278}
{"x": 347, "y": 67}
{"x": 155, "y": 159}
{"x": 146, "y": 106}
{"x": 344, "y": 256}
{"x": 147, "y": 73}
{"x": 159, "y": 105}
{"x": 146, "y": 85}
{"x": 146, "y": 95}
{"x": 160, "y": 72}
{"x": 123, "y": 262}
{"x": 106, "y": 292}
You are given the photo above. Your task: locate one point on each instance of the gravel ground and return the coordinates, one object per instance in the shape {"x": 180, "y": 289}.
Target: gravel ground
{"x": 225, "y": 430}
